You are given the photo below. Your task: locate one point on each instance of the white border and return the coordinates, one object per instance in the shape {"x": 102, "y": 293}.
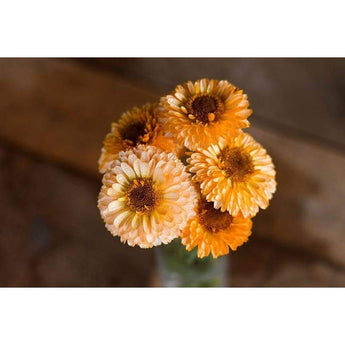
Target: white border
{"x": 176, "y": 28}
{"x": 172, "y": 316}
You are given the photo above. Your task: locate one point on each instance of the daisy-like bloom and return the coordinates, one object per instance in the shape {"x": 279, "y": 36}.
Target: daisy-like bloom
{"x": 147, "y": 197}
{"x": 237, "y": 175}
{"x": 215, "y": 231}
{"x": 200, "y": 113}
{"x": 135, "y": 127}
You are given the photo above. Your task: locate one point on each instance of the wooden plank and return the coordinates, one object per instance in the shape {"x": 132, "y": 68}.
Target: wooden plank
{"x": 263, "y": 264}
{"x": 51, "y": 233}
{"x": 307, "y": 209}
{"x": 307, "y": 95}
{"x": 60, "y": 110}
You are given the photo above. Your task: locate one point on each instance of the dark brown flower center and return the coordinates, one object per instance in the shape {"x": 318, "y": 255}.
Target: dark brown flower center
{"x": 236, "y": 163}
{"x": 204, "y": 109}
{"x": 133, "y": 133}
{"x": 141, "y": 196}
{"x": 212, "y": 219}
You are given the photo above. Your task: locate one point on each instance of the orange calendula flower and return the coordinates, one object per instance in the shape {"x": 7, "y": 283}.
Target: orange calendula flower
{"x": 237, "y": 175}
{"x": 213, "y": 231}
{"x": 198, "y": 114}
{"x": 147, "y": 197}
{"x": 135, "y": 127}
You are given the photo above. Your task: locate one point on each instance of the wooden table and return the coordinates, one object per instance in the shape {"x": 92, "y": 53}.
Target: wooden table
{"x": 55, "y": 113}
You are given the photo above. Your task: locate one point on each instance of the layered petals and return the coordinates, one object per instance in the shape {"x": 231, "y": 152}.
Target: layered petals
{"x": 237, "y": 175}
{"x": 199, "y": 114}
{"x": 215, "y": 232}
{"x": 138, "y": 126}
{"x": 147, "y": 197}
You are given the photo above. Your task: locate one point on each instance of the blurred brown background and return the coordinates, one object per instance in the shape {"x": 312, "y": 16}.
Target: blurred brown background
{"x": 55, "y": 112}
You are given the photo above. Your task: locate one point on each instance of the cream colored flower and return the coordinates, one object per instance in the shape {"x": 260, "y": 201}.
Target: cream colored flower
{"x": 147, "y": 197}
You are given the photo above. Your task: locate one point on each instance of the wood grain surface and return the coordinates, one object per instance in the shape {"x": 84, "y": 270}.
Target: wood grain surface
{"x": 55, "y": 113}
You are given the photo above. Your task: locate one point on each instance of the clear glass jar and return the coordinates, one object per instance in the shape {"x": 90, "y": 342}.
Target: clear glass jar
{"x": 176, "y": 267}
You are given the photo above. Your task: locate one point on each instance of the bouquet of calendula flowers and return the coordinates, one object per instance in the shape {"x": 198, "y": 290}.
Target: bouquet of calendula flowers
{"x": 184, "y": 168}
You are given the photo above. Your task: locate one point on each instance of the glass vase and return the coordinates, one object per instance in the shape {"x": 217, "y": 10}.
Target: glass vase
{"x": 177, "y": 267}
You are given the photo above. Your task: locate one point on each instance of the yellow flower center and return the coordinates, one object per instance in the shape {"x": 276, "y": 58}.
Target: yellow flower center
{"x": 236, "y": 163}
{"x": 212, "y": 219}
{"x": 204, "y": 109}
{"x": 142, "y": 198}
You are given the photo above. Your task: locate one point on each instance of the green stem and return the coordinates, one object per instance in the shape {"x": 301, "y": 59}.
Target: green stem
{"x": 179, "y": 267}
